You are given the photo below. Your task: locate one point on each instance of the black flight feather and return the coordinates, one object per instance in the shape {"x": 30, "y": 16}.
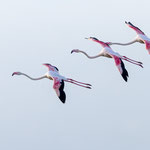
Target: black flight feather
{"x": 62, "y": 96}
{"x": 124, "y": 71}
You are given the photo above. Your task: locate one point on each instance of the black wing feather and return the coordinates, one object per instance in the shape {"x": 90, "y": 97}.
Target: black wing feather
{"x": 125, "y": 72}
{"x": 62, "y": 96}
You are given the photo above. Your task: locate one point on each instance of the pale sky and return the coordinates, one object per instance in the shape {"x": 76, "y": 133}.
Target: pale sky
{"x": 113, "y": 115}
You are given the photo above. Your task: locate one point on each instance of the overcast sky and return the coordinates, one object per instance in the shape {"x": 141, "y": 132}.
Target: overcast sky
{"x": 114, "y": 115}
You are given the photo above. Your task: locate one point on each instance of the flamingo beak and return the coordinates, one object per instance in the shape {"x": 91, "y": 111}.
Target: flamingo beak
{"x": 72, "y": 51}
{"x": 87, "y": 38}
{"x": 14, "y": 73}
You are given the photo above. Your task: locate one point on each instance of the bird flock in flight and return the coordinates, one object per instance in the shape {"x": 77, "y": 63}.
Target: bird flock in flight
{"x": 58, "y": 80}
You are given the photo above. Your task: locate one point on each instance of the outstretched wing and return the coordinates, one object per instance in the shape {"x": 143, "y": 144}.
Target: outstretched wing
{"x": 141, "y": 35}
{"x": 138, "y": 31}
{"x": 59, "y": 88}
{"x": 121, "y": 67}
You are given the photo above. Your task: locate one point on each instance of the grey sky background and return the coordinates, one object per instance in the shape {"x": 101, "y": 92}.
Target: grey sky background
{"x": 113, "y": 115}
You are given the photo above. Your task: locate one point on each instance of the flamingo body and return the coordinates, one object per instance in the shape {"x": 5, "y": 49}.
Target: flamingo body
{"x": 108, "y": 52}
{"x": 58, "y": 84}
{"x": 58, "y": 81}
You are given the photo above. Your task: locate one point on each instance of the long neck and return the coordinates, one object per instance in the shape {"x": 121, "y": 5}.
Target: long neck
{"x": 33, "y": 78}
{"x": 124, "y": 44}
{"x": 90, "y": 57}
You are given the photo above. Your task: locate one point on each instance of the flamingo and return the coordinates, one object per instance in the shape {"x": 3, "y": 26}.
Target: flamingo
{"x": 141, "y": 37}
{"x": 58, "y": 85}
{"x": 108, "y": 52}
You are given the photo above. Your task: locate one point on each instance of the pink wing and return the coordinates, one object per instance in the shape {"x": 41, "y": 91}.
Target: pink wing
{"x": 103, "y": 44}
{"x": 58, "y": 87}
{"x": 138, "y": 31}
{"x": 147, "y": 43}
{"x": 141, "y": 34}
{"x": 120, "y": 65}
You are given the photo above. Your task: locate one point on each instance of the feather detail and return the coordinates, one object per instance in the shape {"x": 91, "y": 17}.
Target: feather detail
{"x": 58, "y": 87}
{"x": 121, "y": 67}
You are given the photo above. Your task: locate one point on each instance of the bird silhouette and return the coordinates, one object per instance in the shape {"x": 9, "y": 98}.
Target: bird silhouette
{"x": 109, "y": 53}
{"x": 58, "y": 85}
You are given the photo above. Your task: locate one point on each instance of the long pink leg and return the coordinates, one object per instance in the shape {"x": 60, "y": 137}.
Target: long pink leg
{"x": 132, "y": 60}
{"x": 78, "y": 82}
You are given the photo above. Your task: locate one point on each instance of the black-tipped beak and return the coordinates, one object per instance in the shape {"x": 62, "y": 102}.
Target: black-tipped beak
{"x": 126, "y": 22}
{"x": 86, "y": 38}
{"x": 71, "y": 51}
{"x": 14, "y": 73}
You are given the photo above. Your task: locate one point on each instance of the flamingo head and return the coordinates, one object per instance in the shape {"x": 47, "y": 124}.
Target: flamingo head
{"x": 16, "y": 73}
{"x": 92, "y": 38}
{"x": 50, "y": 67}
{"x": 75, "y": 50}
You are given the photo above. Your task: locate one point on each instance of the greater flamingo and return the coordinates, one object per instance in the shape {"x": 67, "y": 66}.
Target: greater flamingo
{"x": 141, "y": 37}
{"x": 108, "y": 52}
{"x": 53, "y": 74}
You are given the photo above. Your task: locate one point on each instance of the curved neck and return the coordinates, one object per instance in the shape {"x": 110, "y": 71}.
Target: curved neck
{"x": 124, "y": 44}
{"x": 33, "y": 78}
{"x": 90, "y": 57}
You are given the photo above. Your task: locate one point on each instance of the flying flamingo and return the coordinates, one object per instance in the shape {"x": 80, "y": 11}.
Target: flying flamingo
{"x": 141, "y": 37}
{"x": 108, "y": 52}
{"x": 53, "y": 74}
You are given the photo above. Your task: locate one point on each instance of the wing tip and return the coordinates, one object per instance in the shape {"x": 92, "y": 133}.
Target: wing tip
{"x": 62, "y": 97}
{"x": 124, "y": 74}
{"x": 125, "y": 77}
